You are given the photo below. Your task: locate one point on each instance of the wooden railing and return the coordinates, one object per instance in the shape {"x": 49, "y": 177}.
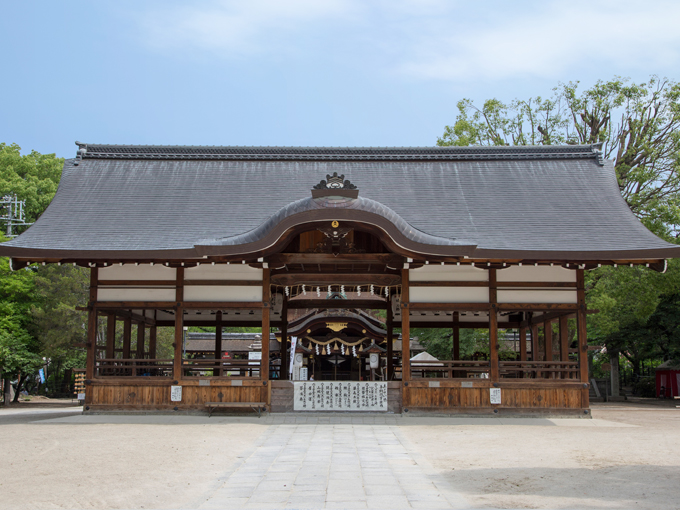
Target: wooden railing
{"x": 539, "y": 369}
{"x": 448, "y": 369}
{"x": 464, "y": 369}
{"x": 221, "y": 368}
{"x": 133, "y": 368}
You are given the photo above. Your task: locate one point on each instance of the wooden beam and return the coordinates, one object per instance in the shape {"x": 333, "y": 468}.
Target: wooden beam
{"x": 493, "y": 328}
{"x": 582, "y": 338}
{"x": 281, "y": 259}
{"x": 463, "y": 307}
{"x": 536, "y": 307}
{"x": 336, "y": 278}
{"x": 140, "y": 305}
{"x": 415, "y": 323}
{"x": 539, "y": 285}
{"x": 334, "y": 304}
{"x": 223, "y": 283}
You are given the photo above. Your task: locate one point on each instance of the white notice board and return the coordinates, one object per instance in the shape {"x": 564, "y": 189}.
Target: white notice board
{"x": 175, "y": 393}
{"x": 340, "y": 396}
{"x": 495, "y": 395}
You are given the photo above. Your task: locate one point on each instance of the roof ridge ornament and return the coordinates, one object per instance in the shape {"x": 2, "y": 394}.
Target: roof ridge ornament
{"x": 335, "y": 181}
{"x": 335, "y": 186}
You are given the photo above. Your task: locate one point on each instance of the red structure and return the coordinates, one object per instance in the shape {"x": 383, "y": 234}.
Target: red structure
{"x": 668, "y": 379}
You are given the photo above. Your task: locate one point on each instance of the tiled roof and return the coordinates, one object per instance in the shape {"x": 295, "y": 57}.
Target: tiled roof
{"x": 559, "y": 202}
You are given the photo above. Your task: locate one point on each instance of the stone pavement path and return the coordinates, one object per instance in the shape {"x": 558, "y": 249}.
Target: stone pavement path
{"x": 316, "y": 465}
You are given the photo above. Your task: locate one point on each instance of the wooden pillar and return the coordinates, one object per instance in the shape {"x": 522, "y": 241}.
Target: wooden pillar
{"x": 582, "y": 337}
{"x": 405, "y": 339}
{"x": 127, "y": 337}
{"x": 455, "y": 348}
{"x": 179, "y": 325}
{"x": 111, "y": 336}
{"x": 523, "y": 344}
{"x": 564, "y": 343}
{"x": 91, "y": 359}
{"x": 152, "y": 342}
{"x": 266, "y": 294}
{"x": 548, "y": 346}
{"x": 218, "y": 343}
{"x": 389, "y": 323}
{"x": 535, "y": 354}
{"x": 493, "y": 327}
{"x": 283, "y": 348}
{"x": 140, "y": 340}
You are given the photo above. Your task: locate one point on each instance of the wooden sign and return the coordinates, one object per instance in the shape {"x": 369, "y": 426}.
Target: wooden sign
{"x": 340, "y": 396}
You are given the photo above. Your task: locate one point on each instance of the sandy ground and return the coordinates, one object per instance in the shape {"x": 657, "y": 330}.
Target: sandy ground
{"x": 628, "y": 456}
{"x": 102, "y": 466}
{"x": 630, "y": 459}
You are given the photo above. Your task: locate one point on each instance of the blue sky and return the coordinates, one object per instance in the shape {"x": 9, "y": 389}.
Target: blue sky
{"x": 303, "y": 72}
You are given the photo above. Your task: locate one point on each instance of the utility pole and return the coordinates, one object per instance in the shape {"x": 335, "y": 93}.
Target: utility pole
{"x": 12, "y": 214}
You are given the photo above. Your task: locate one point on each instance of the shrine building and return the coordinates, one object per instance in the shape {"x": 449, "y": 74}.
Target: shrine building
{"x": 335, "y": 255}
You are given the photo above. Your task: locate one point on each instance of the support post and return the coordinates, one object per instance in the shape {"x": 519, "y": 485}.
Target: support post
{"x": 179, "y": 325}
{"x": 140, "y": 340}
{"x": 405, "y": 337}
{"x": 283, "y": 348}
{"x": 127, "y": 337}
{"x": 218, "y": 343}
{"x": 548, "y": 335}
{"x": 564, "y": 342}
{"x": 535, "y": 354}
{"x": 152, "y": 342}
{"x": 91, "y": 334}
{"x": 266, "y": 295}
{"x": 111, "y": 336}
{"x": 582, "y": 337}
{"x": 522, "y": 347}
{"x": 614, "y": 373}
{"x": 493, "y": 327}
{"x": 455, "y": 347}
{"x": 389, "y": 323}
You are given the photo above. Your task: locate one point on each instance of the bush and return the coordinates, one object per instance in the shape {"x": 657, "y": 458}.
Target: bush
{"x": 645, "y": 387}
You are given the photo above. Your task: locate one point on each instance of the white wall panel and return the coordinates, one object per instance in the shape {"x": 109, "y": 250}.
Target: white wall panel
{"x": 223, "y": 272}
{"x": 449, "y": 295}
{"x": 197, "y": 293}
{"x": 535, "y": 274}
{"x": 448, "y": 274}
{"x": 140, "y": 272}
{"x": 537, "y": 296}
{"x": 118, "y": 294}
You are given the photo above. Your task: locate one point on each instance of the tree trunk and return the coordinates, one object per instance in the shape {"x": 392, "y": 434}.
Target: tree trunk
{"x": 614, "y": 363}
{"x": 22, "y": 379}
{"x": 8, "y": 385}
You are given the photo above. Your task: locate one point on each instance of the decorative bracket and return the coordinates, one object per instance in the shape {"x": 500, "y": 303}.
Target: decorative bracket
{"x": 335, "y": 186}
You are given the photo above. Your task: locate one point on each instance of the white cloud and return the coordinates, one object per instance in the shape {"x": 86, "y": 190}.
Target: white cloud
{"x": 432, "y": 39}
{"x": 236, "y": 28}
{"x": 546, "y": 41}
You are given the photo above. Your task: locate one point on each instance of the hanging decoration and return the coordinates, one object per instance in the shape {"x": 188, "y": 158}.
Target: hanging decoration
{"x": 328, "y": 349}
{"x": 342, "y": 290}
{"x": 359, "y": 291}
{"x": 287, "y": 290}
{"x": 318, "y": 292}
{"x": 317, "y": 349}
{"x": 372, "y": 290}
{"x": 304, "y": 292}
{"x": 354, "y": 350}
{"x": 387, "y": 292}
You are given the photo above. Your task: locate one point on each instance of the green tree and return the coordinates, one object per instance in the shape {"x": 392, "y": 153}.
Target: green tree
{"x": 637, "y": 125}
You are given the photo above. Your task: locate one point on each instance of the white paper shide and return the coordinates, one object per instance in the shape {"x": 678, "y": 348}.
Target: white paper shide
{"x": 340, "y": 396}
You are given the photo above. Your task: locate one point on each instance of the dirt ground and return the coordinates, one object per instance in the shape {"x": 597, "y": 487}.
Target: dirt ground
{"x": 628, "y": 456}
{"x": 631, "y": 459}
